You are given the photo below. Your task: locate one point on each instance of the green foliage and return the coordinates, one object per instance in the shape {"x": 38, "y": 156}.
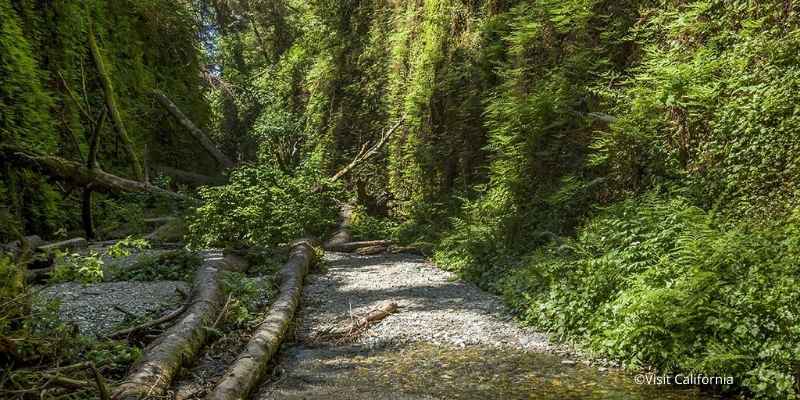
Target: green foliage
{"x": 123, "y": 248}
{"x": 78, "y": 268}
{"x": 655, "y": 282}
{"x": 248, "y": 297}
{"x": 176, "y": 265}
{"x": 24, "y": 104}
{"x": 713, "y": 101}
{"x": 12, "y": 278}
{"x": 264, "y": 206}
{"x": 50, "y": 95}
{"x": 366, "y": 227}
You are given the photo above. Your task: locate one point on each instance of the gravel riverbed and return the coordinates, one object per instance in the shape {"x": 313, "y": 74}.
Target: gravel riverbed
{"x": 434, "y": 306}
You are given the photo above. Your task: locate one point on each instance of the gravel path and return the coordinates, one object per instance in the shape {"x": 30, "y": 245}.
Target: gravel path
{"x": 433, "y": 306}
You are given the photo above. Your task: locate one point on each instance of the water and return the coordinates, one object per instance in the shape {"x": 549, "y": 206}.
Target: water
{"x": 425, "y": 371}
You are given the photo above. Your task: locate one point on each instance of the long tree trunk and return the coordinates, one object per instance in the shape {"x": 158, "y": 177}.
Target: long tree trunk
{"x": 86, "y": 212}
{"x": 153, "y": 374}
{"x": 198, "y": 134}
{"x": 251, "y": 364}
{"x": 79, "y": 175}
{"x": 111, "y": 105}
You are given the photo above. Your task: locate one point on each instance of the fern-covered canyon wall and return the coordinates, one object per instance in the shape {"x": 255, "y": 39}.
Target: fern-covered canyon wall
{"x": 624, "y": 173}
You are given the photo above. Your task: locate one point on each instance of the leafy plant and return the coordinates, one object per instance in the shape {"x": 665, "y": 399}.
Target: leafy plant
{"x": 262, "y": 205}
{"x": 76, "y": 267}
{"x": 124, "y": 247}
{"x": 176, "y": 265}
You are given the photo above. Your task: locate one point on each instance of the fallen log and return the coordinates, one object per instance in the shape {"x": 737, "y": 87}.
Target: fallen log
{"x": 343, "y": 234}
{"x": 162, "y": 359}
{"x": 406, "y": 250}
{"x": 79, "y": 175}
{"x": 371, "y": 250}
{"x": 198, "y": 134}
{"x": 352, "y": 246}
{"x": 69, "y": 244}
{"x": 251, "y": 364}
{"x": 15, "y": 246}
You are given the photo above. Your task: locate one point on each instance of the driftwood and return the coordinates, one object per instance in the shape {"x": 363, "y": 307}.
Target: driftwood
{"x": 162, "y": 359}
{"x": 198, "y": 134}
{"x": 251, "y": 364}
{"x": 79, "y": 175}
{"x": 366, "y": 152}
{"x": 111, "y": 105}
{"x": 353, "y": 246}
{"x": 361, "y": 324}
{"x": 344, "y": 333}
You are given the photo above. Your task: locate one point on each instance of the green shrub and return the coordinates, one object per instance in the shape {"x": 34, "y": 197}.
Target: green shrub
{"x": 78, "y": 268}
{"x": 176, "y": 265}
{"x": 656, "y": 282}
{"x": 367, "y": 227}
{"x": 262, "y": 205}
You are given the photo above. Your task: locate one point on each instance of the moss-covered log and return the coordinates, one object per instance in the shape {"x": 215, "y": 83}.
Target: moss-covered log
{"x": 79, "y": 175}
{"x": 111, "y": 105}
{"x": 251, "y": 364}
{"x": 152, "y": 375}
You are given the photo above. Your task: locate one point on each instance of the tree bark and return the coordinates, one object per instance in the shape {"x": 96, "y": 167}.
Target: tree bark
{"x": 198, "y": 134}
{"x": 152, "y": 375}
{"x": 79, "y": 175}
{"x": 111, "y": 105}
{"x": 251, "y": 364}
{"x": 86, "y": 212}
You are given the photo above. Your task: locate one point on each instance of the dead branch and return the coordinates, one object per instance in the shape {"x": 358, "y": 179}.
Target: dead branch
{"x": 366, "y": 153}
{"x": 198, "y": 134}
{"x": 100, "y": 382}
{"x": 158, "y": 321}
{"x": 357, "y": 326}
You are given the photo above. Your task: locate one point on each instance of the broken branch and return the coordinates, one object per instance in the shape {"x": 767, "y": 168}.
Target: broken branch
{"x": 198, "y": 134}
{"x": 366, "y": 153}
